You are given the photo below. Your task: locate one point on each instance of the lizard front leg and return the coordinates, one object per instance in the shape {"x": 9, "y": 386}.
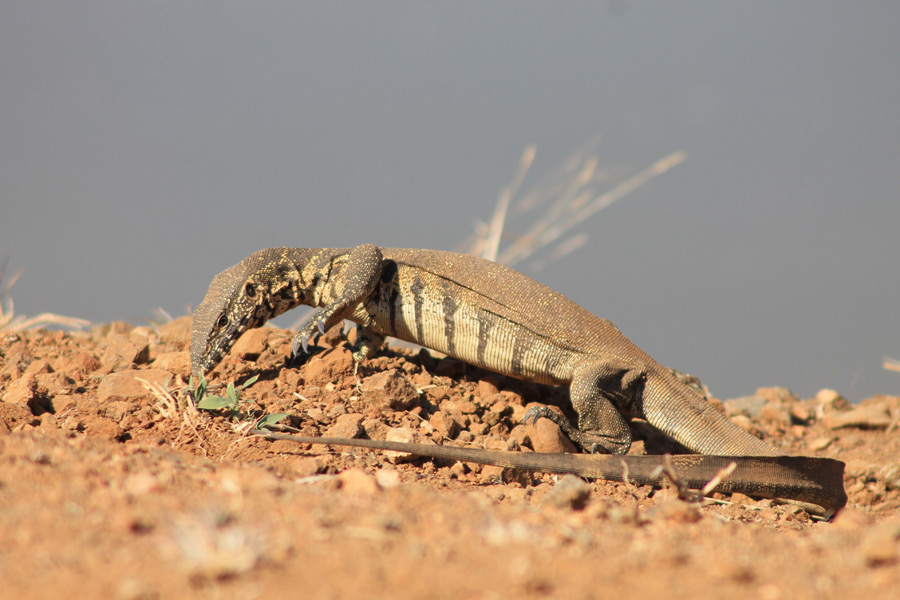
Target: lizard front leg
{"x": 600, "y": 393}
{"x": 339, "y": 292}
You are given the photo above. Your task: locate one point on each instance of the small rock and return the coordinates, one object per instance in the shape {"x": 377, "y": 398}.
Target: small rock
{"x": 391, "y": 390}
{"x": 400, "y": 434}
{"x": 358, "y": 482}
{"x": 485, "y": 388}
{"x": 177, "y": 333}
{"x": 63, "y": 402}
{"x": 387, "y": 478}
{"x": 15, "y": 366}
{"x": 819, "y": 443}
{"x": 125, "y": 385}
{"x": 570, "y": 493}
{"x": 748, "y": 406}
{"x": 546, "y": 436}
{"x": 446, "y": 425}
{"x": 317, "y": 415}
{"x": 55, "y": 383}
{"x": 521, "y": 436}
{"x": 306, "y": 466}
{"x": 831, "y": 400}
{"x": 777, "y": 395}
{"x": 26, "y": 391}
{"x": 140, "y": 334}
{"x": 375, "y": 429}
{"x": 174, "y": 362}
{"x": 80, "y": 363}
{"x": 122, "y": 354}
{"x": 868, "y": 417}
{"x": 103, "y": 427}
{"x": 251, "y": 344}
{"x": 335, "y": 335}
{"x": 491, "y": 474}
{"x": 38, "y": 367}
{"x": 801, "y": 413}
{"x": 776, "y": 413}
{"x": 458, "y": 406}
{"x": 328, "y": 366}
{"x": 346, "y": 426}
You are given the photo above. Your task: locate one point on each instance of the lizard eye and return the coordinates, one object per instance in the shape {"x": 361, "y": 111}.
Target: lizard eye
{"x": 222, "y": 322}
{"x": 250, "y": 290}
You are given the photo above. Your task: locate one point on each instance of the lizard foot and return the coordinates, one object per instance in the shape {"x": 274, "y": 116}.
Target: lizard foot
{"x": 590, "y": 442}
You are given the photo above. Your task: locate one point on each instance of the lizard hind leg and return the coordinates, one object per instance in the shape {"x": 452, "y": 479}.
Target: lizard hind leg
{"x": 596, "y": 392}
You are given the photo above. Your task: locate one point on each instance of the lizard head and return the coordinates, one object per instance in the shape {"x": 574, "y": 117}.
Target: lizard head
{"x": 242, "y": 297}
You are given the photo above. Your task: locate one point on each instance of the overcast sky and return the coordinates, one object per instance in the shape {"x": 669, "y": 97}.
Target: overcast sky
{"x": 145, "y": 146}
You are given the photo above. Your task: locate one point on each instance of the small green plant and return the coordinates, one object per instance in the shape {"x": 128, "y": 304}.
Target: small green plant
{"x": 267, "y": 421}
{"x": 230, "y": 402}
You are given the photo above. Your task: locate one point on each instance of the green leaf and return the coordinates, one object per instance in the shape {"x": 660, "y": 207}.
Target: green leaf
{"x": 215, "y": 403}
{"x": 249, "y": 382}
{"x": 269, "y": 420}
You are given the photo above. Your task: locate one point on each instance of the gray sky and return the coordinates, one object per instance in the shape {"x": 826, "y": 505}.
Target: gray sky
{"x": 145, "y": 146}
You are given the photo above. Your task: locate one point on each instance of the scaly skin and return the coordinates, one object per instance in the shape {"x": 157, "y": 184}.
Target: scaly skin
{"x": 477, "y": 311}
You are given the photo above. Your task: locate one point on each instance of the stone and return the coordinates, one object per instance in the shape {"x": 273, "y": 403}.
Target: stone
{"x": 445, "y": 424}
{"x": 125, "y": 385}
{"x": 37, "y": 367}
{"x": 55, "y": 383}
{"x": 328, "y": 366}
{"x": 829, "y": 399}
{"x": 346, "y": 426}
{"x": 571, "y": 493}
{"x": 400, "y": 434}
{"x": 873, "y": 416}
{"x": 748, "y": 406}
{"x": 79, "y": 364}
{"x": 251, "y": 344}
{"x": 174, "y": 362}
{"x": 546, "y": 436}
{"x": 485, "y": 388}
{"x": 358, "y": 482}
{"x": 390, "y": 390}
{"x": 122, "y": 354}
{"x": 28, "y": 392}
{"x": 177, "y": 333}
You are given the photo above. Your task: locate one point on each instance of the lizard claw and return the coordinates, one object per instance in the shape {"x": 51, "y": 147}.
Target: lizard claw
{"x": 534, "y": 413}
{"x": 321, "y": 323}
{"x": 300, "y": 340}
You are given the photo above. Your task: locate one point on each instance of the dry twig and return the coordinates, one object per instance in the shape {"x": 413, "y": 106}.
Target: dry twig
{"x": 10, "y": 322}
{"x": 570, "y": 193}
{"x": 684, "y": 492}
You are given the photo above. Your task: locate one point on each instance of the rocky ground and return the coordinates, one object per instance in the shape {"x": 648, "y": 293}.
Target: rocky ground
{"x": 112, "y": 484}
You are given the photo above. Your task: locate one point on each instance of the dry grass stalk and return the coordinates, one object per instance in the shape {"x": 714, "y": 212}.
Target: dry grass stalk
{"x": 891, "y": 364}
{"x": 171, "y": 407}
{"x": 570, "y": 194}
{"x": 10, "y": 322}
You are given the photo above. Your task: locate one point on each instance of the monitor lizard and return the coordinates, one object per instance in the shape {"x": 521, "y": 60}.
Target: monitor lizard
{"x": 494, "y": 317}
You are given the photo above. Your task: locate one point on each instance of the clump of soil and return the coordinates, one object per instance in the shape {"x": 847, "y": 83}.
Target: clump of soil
{"x": 113, "y": 485}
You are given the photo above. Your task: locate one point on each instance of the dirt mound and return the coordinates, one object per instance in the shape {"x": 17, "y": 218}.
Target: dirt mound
{"x": 112, "y": 485}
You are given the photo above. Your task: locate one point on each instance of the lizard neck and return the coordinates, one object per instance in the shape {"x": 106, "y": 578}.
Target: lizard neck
{"x": 288, "y": 288}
